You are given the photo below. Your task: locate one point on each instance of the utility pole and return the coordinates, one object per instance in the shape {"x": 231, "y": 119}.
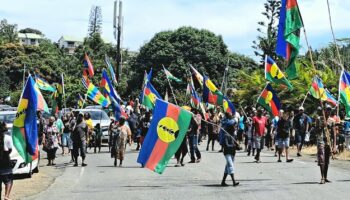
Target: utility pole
{"x": 118, "y": 29}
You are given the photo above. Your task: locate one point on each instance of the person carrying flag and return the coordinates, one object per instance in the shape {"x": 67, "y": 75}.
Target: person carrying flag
{"x": 6, "y": 176}
{"x": 322, "y": 127}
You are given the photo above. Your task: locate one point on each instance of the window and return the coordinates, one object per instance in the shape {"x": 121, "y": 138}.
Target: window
{"x": 70, "y": 44}
{"x": 32, "y": 41}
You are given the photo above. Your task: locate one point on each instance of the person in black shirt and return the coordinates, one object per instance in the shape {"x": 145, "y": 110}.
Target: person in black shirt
{"x": 283, "y": 130}
{"x": 145, "y": 122}
{"x": 229, "y": 150}
{"x": 301, "y": 126}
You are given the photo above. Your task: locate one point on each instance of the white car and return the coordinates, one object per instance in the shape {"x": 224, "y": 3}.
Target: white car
{"x": 19, "y": 166}
{"x": 98, "y": 116}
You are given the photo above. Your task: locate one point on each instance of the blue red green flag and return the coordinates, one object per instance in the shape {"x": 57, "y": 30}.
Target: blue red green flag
{"x": 167, "y": 131}
{"x": 268, "y": 99}
{"x": 88, "y": 67}
{"x": 288, "y": 37}
{"x": 274, "y": 74}
{"x": 211, "y": 94}
{"x": 228, "y": 106}
{"x": 25, "y": 131}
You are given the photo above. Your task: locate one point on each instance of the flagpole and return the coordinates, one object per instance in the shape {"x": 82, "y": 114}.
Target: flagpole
{"x": 171, "y": 88}
{"x": 260, "y": 94}
{"x": 24, "y": 74}
{"x": 223, "y": 84}
{"x": 333, "y": 35}
{"x": 302, "y": 104}
{"x": 315, "y": 72}
{"x": 63, "y": 92}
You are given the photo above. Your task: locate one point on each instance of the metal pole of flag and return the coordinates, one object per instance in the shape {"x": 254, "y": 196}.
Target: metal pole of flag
{"x": 63, "y": 92}
{"x": 302, "y": 104}
{"x": 24, "y": 74}
{"x": 171, "y": 88}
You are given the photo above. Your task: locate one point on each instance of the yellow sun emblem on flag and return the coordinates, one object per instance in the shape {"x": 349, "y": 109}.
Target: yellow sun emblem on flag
{"x": 166, "y": 129}
{"x": 152, "y": 97}
{"x": 276, "y": 72}
{"x": 268, "y": 97}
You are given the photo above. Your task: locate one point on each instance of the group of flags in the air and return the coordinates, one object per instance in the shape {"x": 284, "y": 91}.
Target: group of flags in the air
{"x": 170, "y": 122}
{"x": 287, "y": 46}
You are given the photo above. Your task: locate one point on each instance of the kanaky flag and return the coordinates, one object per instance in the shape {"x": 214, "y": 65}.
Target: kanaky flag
{"x": 269, "y": 100}
{"x": 274, "y": 74}
{"x": 211, "y": 94}
{"x": 88, "y": 67}
{"x": 228, "y": 106}
{"x": 167, "y": 131}
{"x": 344, "y": 91}
{"x": 25, "y": 128}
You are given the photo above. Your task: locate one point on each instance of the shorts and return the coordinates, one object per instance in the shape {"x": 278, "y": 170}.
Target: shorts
{"x": 6, "y": 179}
{"x": 299, "y": 137}
{"x": 65, "y": 139}
{"x": 283, "y": 143}
{"x": 323, "y": 154}
{"x": 79, "y": 148}
{"x": 257, "y": 142}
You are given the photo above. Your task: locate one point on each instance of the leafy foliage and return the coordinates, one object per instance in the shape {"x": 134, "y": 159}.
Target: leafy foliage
{"x": 265, "y": 43}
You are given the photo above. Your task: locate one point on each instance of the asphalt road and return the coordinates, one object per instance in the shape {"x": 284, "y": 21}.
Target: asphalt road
{"x": 266, "y": 180}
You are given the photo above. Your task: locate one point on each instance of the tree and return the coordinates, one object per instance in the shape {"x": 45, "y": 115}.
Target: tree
{"x": 265, "y": 43}
{"x": 8, "y": 32}
{"x": 95, "y": 22}
{"x": 30, "y": 30}
{"x": 176, "y": 50}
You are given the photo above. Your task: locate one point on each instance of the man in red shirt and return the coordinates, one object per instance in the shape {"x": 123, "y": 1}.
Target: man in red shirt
{"x": 259, "y": 124}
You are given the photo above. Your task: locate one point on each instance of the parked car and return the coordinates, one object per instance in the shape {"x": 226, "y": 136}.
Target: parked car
{"x": 4, "y": 107}
{"x": 98, "y": 116}
{"x": 19, "y": 166}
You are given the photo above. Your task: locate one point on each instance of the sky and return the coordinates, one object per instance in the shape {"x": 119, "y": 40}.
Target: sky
{"x": 235, "y": 20}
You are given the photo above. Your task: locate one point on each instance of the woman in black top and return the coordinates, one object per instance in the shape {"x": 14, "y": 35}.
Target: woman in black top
{"x": 229, "y": 150}
{"x": 5, "y": 165}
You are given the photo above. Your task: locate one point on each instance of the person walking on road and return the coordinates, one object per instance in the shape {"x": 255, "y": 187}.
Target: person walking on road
{"x": 259, "y": 125}
{"x": 51, "y": 141}
{"x": 6, "y": 176}
{"x": 212, "y": 129}
{"x": 301, "y": 129}
{"x": 79, "y": 140}
{"x": 229, "y": 150}
{"x": 283, "y": 131}
{"x": 97, "y": 137}
{"x": 124, "y": 136}
{"x": 193, "y": 141}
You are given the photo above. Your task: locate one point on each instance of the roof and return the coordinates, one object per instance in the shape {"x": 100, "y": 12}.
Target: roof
{"x": 30, "y": 36}
{"x": 71, "y": 38}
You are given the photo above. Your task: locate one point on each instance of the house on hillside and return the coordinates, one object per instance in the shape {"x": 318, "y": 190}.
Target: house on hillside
{"x": 29, "y": 38}
{"x": 70, "y": 43}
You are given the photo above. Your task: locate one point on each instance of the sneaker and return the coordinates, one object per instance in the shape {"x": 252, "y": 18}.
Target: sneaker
{"x": 177, "y": 165}
{"x": 192, "y": 161}
{"x": 182, "y": 164}
{"x": 198, "y": 160}
{"x": 289, "y": 160}
{"x": 75, "y": 165}
{"x": 235, "y": 184}
{"x": 83, "y": 165}
{"x": 298, "y": 154}
{"x": 279, "y": 160}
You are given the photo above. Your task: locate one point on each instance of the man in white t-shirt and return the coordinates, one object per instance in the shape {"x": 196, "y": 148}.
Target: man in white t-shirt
{"x": 5, "y": 165}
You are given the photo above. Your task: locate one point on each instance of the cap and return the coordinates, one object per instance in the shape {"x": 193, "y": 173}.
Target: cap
{"x": 301, "y": 108}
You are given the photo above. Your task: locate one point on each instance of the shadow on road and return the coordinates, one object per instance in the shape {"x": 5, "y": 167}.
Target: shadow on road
{"x": 126, "y": 167}
{"x": 143, "y": 186}
{"x": 306, "y": 183}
